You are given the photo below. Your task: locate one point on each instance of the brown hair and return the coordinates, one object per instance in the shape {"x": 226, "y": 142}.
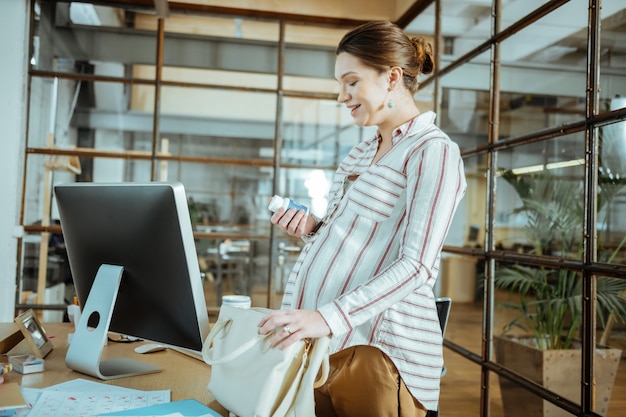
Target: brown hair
{"x": 382, "y": 45}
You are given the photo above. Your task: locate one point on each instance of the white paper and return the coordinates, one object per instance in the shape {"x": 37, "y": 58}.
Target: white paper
{"x": 79, "y": 398}
{"x": 163, "y": 415}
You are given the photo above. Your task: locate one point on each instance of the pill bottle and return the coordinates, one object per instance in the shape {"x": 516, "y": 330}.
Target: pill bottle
{"x": 286, "y": 203}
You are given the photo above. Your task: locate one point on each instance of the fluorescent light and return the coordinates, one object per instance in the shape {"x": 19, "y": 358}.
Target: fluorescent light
{"x": 551, "y": 165}
{"x": 528, "y": 170}
{"x": 566, "y": 164}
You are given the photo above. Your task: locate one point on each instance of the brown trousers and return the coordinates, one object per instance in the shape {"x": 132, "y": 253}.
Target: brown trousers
{"x": 363, "y": 382}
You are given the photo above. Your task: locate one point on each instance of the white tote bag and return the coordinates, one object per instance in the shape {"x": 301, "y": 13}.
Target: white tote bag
{"x": 250, "y": 379}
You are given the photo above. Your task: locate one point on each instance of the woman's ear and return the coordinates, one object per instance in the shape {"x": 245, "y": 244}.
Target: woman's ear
{"x": 395, "y": 76}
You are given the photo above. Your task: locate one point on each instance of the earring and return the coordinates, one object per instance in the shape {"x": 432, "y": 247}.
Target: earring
{"x": 390, "y": 102}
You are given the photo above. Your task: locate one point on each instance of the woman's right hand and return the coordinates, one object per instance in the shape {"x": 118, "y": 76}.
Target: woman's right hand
{"x": 294, "y": 222}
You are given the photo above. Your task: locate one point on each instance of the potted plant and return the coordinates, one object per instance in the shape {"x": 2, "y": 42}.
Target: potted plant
{"x": 550, "y": 300}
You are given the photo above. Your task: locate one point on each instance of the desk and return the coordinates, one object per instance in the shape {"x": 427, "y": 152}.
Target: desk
{"x": 184, "y": 376}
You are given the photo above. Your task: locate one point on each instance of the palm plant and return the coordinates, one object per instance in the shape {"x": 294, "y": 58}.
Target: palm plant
{"x": 550, "y": 300}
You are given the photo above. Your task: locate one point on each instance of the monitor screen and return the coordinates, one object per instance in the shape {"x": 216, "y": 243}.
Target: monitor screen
{"x": 140, "y": 235}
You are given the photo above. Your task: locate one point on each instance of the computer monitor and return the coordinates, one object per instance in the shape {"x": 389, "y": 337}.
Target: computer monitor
{"x": 135, "y": 269}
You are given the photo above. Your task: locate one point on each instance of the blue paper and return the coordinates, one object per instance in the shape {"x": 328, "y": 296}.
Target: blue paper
{"x": 188, "y": 408}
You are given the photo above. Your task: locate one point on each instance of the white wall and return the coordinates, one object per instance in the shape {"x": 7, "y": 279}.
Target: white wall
{"x": 14, "y": 30}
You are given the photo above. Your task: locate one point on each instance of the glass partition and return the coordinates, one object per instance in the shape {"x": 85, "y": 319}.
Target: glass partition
{"x": 540, "y": 197}
{"x": 465, "y": 103}
{"x": 468, "y": 29}
{"x": 71, "y": 37}
{"x": 524, "y": 112}
{"x": 216, "y": 123}
{"x": 473, "y": 206}
{"x": 77, "y": 113}
{"x": 612, "y": 193}
{"x": 542, "y": 77}
{"x": 612, "y": 57}
{"x": 512, "y": 11}
{"x": 58, "y": 288}
{"x": 318, "y": 132}
{"x": 43, "y": 102}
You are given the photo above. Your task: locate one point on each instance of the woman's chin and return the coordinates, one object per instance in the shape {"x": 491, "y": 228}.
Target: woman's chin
{"x": 360, "y": 121}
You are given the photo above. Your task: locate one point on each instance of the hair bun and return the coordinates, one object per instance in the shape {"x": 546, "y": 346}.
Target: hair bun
{"x": 424, "y": 55}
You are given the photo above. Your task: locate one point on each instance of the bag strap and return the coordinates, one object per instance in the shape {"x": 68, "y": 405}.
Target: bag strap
{"x": 320, "y": 349}
{"x": 207, "y": 351}
{"x": 324, "y": 374}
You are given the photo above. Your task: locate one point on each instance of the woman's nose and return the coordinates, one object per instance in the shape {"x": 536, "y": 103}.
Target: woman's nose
{"x": 342, "y": 97}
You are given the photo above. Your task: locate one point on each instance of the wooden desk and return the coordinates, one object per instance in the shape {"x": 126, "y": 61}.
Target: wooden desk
{"x": 184, "y": 376}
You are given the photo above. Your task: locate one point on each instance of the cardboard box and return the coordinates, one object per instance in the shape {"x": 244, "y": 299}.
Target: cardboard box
{"x": 26, "y": 364}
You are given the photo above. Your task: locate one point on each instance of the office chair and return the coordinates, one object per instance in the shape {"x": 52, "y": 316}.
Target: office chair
{"x": 443, "y": 311}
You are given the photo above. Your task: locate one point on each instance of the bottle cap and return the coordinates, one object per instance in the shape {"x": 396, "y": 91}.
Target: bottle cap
{"x": 275, "y": 203}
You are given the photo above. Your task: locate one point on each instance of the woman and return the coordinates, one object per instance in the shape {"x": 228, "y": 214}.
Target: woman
{"x": 367, "y": 270}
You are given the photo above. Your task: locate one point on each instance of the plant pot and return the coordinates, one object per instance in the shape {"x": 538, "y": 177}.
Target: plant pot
{"x": 556, "y": 370}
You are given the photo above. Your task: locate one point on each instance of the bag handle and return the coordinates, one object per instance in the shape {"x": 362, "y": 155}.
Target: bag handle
{"x": 207, "y": 351}
{"x": 321, "y": 349}
{"x": 324, "y": 374}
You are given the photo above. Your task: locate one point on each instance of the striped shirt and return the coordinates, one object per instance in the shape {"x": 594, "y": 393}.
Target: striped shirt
{"x": 371, "y": 267}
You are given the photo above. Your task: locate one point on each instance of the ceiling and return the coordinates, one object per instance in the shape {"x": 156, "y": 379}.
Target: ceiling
{"x": 558, "y": 38}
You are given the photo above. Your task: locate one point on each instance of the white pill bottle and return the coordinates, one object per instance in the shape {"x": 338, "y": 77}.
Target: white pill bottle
{"x": 277, "y": 201}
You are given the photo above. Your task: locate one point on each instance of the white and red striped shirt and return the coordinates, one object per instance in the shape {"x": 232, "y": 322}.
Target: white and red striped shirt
{"x": 371, "y": 267}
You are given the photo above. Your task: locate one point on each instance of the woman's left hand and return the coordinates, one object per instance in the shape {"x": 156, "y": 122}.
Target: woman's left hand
{"x": 293, "y": 325}
{"x": 293, "y": 222}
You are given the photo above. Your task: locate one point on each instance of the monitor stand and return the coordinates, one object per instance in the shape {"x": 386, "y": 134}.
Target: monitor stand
{"x": 88, "y": 343}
